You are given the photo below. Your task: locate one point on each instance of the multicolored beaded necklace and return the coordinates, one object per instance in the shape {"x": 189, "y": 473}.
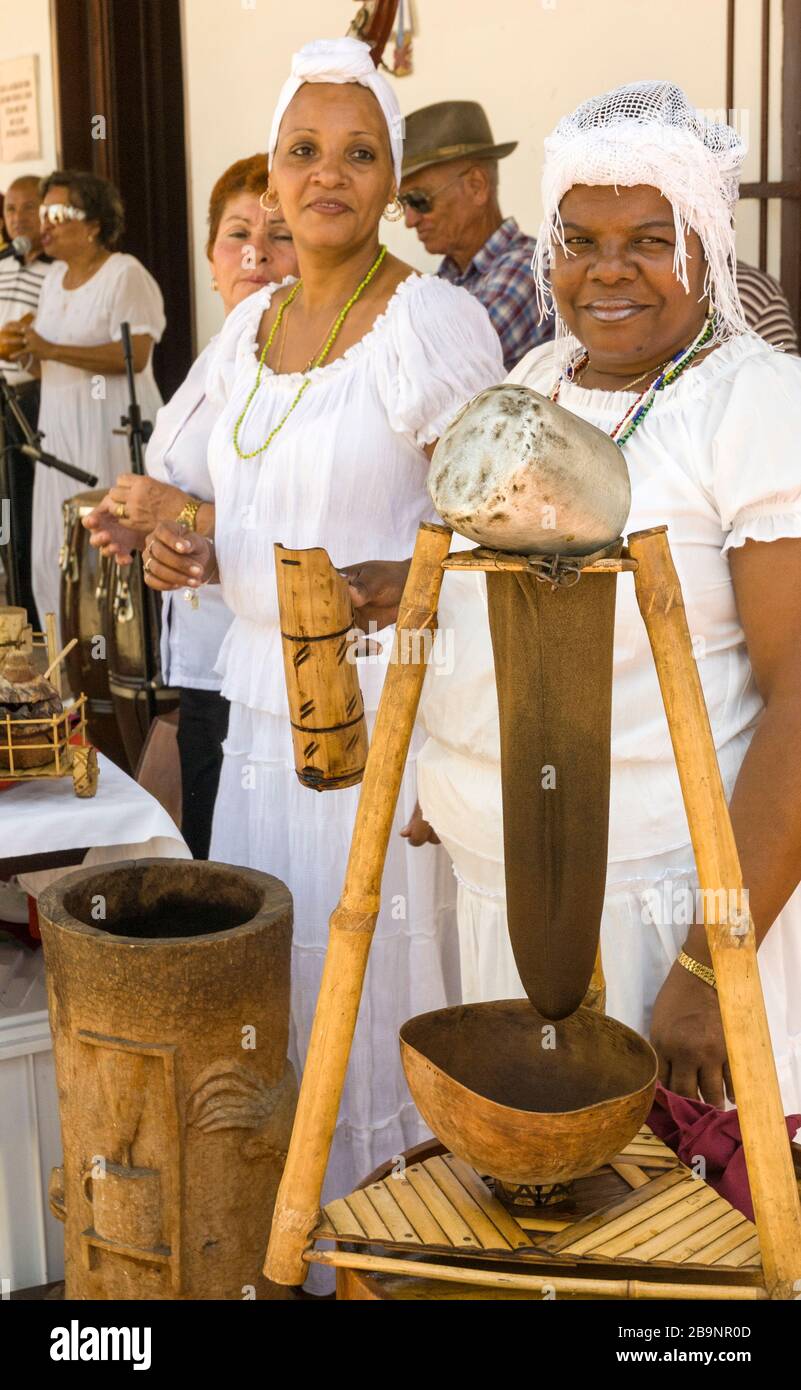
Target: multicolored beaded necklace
{"x": 315, "y": 362}
{"x": 638, "y": 410}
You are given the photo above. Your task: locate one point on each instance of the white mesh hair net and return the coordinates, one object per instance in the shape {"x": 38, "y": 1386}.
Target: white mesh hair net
{"x": 648, "y": 133}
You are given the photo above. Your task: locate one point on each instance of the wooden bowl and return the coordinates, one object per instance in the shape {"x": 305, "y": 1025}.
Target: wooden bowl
{"x": 523, "y": 1099}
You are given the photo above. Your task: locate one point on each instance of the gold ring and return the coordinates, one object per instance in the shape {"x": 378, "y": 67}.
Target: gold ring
{"x": 147, "y": 564}
{"x": 120, "y": 512}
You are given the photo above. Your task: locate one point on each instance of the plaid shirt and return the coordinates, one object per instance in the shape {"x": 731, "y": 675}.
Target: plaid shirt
{"x": 500, "y": 277}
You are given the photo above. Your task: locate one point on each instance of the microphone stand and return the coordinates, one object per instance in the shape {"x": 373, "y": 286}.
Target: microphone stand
{"x": 17, "y": 434}
{"x": 32, "y": 447}
{"x": 7, "y": 547}
{"x": 139, "y": 432}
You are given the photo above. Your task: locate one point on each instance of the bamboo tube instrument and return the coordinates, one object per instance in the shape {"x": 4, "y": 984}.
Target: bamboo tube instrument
{"x": 329, "y": 733}
{"x": 730, "y": 934}
{"x": 353, "y": 920}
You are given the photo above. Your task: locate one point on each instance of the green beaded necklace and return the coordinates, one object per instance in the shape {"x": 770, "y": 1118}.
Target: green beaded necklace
{"x": 318, "y": 361}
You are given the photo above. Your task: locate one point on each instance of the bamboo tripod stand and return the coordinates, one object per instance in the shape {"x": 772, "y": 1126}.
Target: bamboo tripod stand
{"x": 730, "y": 933}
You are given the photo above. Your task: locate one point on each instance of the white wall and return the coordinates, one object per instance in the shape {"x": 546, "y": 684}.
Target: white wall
{"x": 527, "y": 61}
{"x": 25, "y": 30}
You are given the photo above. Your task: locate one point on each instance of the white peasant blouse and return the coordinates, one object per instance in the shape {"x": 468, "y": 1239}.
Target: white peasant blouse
{"x": 346, "y": 470}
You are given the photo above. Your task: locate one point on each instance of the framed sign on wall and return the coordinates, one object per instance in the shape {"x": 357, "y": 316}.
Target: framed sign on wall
{"x": 20, "y": 136}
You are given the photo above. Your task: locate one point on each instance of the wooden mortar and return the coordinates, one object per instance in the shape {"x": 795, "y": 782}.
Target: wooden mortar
{"x": 168, "y": 988}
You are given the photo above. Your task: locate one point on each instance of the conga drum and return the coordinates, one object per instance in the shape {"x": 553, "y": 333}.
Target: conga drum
{"x": 128, "y": 662}
{"x": 84, "y": 591}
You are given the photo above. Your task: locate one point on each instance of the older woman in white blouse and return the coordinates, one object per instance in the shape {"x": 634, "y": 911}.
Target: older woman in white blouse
{"x": 246, "y": 249}
{"x": 333, "y": 390}
{"x": 641, "y": 275}
{"x": 75, "y": 345}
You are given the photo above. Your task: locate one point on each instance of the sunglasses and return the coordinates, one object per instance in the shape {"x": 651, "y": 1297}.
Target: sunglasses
{"x": 422, "y": 202}
{"x": 59, "y": 213}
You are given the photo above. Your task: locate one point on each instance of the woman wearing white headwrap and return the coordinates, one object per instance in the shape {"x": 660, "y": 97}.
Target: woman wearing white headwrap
{"x": 332, "y": 387}
{"x": 652, "y": 347}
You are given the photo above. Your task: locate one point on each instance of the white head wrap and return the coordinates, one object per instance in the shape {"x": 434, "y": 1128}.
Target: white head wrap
{"x": 648, "y": 133}
{"x": 341, "y": 60}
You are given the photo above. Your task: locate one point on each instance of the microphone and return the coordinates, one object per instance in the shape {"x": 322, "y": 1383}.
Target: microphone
{"x": 18, "y": 248}
{"x": 33, "y": 451}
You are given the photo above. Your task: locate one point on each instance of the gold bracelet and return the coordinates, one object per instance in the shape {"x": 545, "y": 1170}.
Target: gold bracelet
{"x": 188, "y": 514}
{"x": 703, "y": 972}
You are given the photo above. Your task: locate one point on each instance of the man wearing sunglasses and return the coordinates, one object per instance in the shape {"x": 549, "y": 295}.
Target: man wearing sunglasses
{"x": 450, "y": 196}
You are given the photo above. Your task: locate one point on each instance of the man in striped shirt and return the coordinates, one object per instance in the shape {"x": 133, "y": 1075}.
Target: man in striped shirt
{"x": 20, "y": 287}
{"x": 766, "y": 308}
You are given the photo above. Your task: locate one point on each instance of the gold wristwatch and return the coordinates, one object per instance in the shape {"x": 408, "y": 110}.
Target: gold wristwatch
{"x": 703, "y": 972}
{"x": 188, "y": 514}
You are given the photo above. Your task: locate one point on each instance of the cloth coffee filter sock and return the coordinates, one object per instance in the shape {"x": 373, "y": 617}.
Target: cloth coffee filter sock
{"x": 340, "y": 61}
{"x": 553, "y": 668}
{"x": 648, "y": 133}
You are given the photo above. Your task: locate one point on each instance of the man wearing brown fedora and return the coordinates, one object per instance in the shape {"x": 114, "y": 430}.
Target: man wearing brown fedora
{"x": 450, "y": 195}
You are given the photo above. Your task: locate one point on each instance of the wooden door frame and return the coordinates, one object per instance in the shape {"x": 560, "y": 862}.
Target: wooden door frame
{"x": 787, "y": 189}
{"x": 122, "y": 60}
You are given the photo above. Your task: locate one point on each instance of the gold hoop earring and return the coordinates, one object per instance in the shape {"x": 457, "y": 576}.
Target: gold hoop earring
{"x": 214, "y": 284}
{"x": 269, "y": 207}
{"x": 393, "y": 211}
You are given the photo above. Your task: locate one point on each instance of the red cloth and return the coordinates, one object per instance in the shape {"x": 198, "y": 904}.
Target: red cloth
{"x": 33, "y": 920}
{"x": 27, "y": 933}
{"x": 693, "y": 1129}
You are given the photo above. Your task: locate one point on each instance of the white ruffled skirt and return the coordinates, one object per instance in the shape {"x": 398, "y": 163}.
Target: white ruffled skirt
{"x": 643, "y": 928}
{"x": 266, "y": 820}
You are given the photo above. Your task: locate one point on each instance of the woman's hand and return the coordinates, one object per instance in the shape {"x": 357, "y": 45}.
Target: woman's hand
{"x": 687, "y": 1033}
{"x": 34, "y": 344}
{"x": 110, "y": 535}
{"x": 12, "y": 338}
{"x": 175, "y": 558}
{"x": 375, "y": 588}
{"x": 146, "y": 501}
{"x": 418, "y": 831}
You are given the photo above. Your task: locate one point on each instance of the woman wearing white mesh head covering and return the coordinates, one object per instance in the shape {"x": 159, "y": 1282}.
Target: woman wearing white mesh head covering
{"x": 638, "y": 244}
{"x": 332, "y": 388}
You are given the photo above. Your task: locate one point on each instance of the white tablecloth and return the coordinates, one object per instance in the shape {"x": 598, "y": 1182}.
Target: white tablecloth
{"x": 122, "y": 821}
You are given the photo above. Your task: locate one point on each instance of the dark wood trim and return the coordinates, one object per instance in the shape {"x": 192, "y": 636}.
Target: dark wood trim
{"x": 101, "y": 71}
{"x": 791, "y": 154}
{"x": 73, "y": 97}
{"x": 787, "y": 189}
{"x": 764, "y": 129}
{"x": 778, "y": 189}
{"x": 730, "y": 18}
{"x": 122, "y": 59}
